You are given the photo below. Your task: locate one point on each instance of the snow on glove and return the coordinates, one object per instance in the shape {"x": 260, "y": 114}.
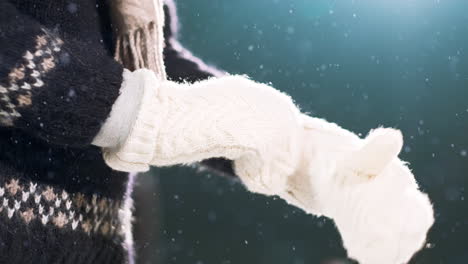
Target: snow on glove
{"x": 313, "y": 164}
{"x": 361, "y": 184}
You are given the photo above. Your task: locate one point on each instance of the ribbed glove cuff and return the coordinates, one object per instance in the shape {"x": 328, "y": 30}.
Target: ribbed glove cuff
{"x": 132, "y": 145}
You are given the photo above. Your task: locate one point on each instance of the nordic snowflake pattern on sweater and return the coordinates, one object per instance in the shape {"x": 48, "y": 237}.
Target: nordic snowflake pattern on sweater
{"x": 28, "y": 75}
{"x": 56, "y": 207}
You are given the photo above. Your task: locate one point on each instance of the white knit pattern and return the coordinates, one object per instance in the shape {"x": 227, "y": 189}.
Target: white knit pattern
{"x": 231, "y": 117}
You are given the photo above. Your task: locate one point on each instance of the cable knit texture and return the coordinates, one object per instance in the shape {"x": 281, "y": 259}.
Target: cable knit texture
{"x": 230, "y": 117}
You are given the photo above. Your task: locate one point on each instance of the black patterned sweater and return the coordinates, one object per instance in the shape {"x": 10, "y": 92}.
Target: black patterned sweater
{"x": 59, "y": 202}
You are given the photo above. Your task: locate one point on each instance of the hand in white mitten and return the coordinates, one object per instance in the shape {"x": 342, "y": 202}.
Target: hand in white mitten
{"x": 363, "y": 186}
{"x": 309, "y": 162}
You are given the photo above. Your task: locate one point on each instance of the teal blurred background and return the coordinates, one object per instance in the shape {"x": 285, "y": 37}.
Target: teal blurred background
{"x": 359, "y": 63}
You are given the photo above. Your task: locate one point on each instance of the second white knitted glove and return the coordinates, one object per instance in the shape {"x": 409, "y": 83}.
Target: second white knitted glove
{"x": 361, "y": 184}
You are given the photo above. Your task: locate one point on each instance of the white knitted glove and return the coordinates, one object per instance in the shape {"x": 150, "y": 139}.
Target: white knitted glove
{"x": 363, "y": 186}
{"x": 309, "y": 162}
{"x": 235, "y": 118}
{"x": 232, "y": 117}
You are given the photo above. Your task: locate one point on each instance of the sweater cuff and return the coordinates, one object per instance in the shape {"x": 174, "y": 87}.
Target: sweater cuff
{"x": 128, "y": 137}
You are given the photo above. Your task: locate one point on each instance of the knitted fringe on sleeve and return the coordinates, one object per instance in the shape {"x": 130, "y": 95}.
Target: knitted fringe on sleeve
{"x": 138, "y": 49}
{"x": 139, "y": 41}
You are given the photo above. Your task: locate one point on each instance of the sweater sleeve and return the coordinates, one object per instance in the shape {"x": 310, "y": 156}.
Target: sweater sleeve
{"x": 60, "y": 90}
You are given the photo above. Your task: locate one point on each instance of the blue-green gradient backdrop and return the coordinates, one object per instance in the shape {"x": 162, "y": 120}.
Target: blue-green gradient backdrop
{"x": 361, "y": 64}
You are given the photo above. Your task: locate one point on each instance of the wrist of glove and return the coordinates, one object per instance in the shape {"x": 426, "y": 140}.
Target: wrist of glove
{"x": 315, "y": 165}
{"x": 128, "y": 137}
